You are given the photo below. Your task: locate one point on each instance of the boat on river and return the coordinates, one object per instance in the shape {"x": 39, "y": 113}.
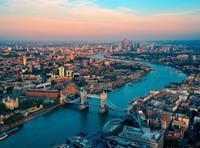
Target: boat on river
{"x": 8, "y": 133}
{"x": 130, "y": 84}
{"x": 12, "y": 131}
{"x": 3, "y": 136}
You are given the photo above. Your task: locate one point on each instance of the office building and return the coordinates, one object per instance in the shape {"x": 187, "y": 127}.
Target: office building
{"x": 61, "y": 71}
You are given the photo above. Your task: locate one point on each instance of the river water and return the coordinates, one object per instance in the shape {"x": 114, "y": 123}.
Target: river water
{"x": 67, "y": 121}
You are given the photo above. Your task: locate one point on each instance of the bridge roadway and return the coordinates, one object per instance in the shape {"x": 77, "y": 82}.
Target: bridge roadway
{"x": 92, "y": 96}
{"x": 109, "y": 104}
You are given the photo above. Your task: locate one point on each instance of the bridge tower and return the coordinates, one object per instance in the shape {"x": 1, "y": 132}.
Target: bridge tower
{"x": 103, "y": 97}
{"x": 84, "y": 103}
{"x": 62, "y": 99}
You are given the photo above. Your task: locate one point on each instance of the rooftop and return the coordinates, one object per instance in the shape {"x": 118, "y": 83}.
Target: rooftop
{"x": 143, "y": 135}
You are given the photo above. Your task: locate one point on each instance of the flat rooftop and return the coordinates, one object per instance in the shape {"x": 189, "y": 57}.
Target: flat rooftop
{"x": 132, "y": 132}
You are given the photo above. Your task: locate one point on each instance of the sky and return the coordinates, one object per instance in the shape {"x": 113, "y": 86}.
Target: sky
{"x": 99, "y": 20}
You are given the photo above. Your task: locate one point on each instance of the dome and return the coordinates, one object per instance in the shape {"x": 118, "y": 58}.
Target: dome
{"x": 112, "y": 127}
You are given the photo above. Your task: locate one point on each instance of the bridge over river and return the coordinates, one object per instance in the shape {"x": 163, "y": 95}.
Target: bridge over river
{"x": 82, "y": 101}
{"x": 65, "y": 122}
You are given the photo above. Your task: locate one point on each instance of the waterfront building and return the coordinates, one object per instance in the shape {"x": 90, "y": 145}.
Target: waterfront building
{"x": 154, "y": 139}
{"x": 11, "y": 103}
{"x": 112, "y": 127}
{"x": 119, "y": 142}
{"x": 33, "y": 109}
{"x": 53, "y": 94}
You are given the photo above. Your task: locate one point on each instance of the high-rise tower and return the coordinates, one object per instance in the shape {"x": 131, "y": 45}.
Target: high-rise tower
{"x": 24, "y": 60}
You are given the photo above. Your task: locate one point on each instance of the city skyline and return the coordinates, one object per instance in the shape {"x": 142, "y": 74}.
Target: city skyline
{"x": 98, "y": 20}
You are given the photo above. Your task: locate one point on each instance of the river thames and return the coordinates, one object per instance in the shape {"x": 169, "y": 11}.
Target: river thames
{"x": 67, "y": 121}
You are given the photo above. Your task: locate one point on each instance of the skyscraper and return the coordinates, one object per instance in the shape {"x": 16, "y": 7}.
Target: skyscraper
{"x": 24, "y": 60}
{"x": 125, "y": 45}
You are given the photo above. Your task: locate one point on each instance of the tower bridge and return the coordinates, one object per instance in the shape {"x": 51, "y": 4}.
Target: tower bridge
{"x": 82, "y": 101}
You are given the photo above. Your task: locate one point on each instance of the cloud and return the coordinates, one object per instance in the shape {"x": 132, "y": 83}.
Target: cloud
{"x": 83, "y": 19}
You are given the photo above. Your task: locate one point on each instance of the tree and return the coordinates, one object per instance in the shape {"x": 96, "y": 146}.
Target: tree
{"x": 9, "y": 90}
{"x": 194, "y": 113}
{"x": 3, "y": 109}
{"x": 14, "y": 118}
{"x": 171, "y": 143}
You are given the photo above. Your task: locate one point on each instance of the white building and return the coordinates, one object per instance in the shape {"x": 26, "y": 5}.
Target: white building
{"x": 154, "y": 139}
